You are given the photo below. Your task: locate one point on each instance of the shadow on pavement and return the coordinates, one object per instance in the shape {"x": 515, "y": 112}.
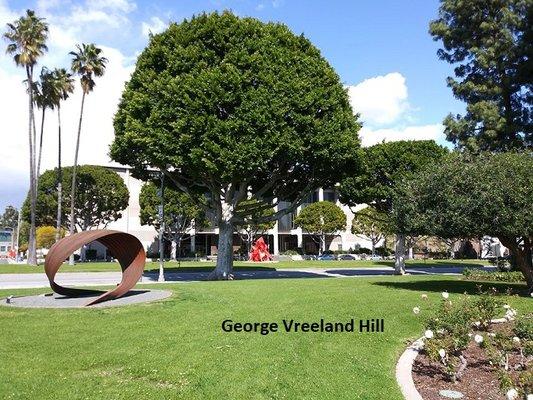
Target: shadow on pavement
{"x": 238, "y": 274}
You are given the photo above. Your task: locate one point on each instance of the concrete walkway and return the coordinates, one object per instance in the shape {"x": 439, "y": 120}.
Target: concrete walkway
{"x": 22, "y": 281}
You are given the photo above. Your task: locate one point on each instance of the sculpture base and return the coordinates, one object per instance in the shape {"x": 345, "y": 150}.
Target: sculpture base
{"x": 54, "y": 300}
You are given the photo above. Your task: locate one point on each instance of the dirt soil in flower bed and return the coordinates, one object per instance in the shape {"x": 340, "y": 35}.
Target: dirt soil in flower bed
{"x": 479, "y": 380}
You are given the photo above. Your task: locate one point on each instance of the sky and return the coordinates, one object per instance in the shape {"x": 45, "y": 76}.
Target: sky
{"x": 381, "y": 50}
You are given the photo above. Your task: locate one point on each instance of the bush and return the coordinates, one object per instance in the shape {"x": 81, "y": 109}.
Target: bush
{"x": 474, "y": 274}
{"x": 383, "y": 252}
{"x": 524, "y": 327}
{"x": 90, "y": 254}
{"x": 289, "y": 253}
{"x": 363, "y": 250}
{"x": 46, "y": 236}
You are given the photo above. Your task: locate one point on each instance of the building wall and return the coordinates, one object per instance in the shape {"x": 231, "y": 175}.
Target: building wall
{"x": 282, "y": 237}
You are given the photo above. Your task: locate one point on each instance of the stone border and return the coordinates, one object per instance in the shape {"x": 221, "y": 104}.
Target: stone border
{"x": 404, "y": 371}
{"x": 404, "y": 367}
{"x": 55, "y": 301}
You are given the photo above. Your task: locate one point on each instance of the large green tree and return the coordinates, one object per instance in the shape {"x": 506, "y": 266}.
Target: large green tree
{"x": 384, "y": 165}
{"x": 27, "y": 43}
{"x": 490, "y": 42}
{"x": 236, "y": 109}
{"x": 372, "y": 224}
{"x": 9, "y": 219}
{"x": 466, "y": 196}
{"x": 100, "y": 198}
{"x": 180, "y": 214}
{"x": 322, "y": 220}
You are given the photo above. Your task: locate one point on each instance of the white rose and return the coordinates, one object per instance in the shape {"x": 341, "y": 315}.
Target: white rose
{"x": 506, "y": 306}
{"x": 416, "y": 310}
{"x": 428, "y": 334}
{"x": 530, "y": 396}
{"x": 424, "y": 296}
{"x": 442, "y": 353}
{"x": 478, "y": 339}
{"x": 445, "y": 295}
{"x": 516, "y": 339}
{"x": 512, "y": 394}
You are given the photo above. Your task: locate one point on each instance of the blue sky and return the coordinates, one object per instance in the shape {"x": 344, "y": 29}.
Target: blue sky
{"x": 381, "y": 49}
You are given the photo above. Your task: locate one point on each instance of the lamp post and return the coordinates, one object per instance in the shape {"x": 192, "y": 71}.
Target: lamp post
{"x": 161, "y": 228}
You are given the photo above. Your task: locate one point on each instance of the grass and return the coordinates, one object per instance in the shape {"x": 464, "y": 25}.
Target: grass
{"x": 199, "y": 266}
{"x": 175, "y": 349}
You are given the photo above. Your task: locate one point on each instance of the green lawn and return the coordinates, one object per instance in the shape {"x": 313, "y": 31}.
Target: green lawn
{"x": 175, "y": 349}
{"x": 197, "y": 266}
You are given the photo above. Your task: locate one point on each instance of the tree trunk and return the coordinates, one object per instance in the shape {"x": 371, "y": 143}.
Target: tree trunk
{"x": 373, "y": 248}
{"x": 399, "y": 262}
{"x": 173, "y": 250}
{"x": 59, "y": 177}
{"x": 322, "y": 244}
{"x": 224, "y": 266}
{"x": 40, "y": 150}
{"x": 410, "y": 256}
{"x": 73, "y": 188}
{"x": 32, "y": 245}
{"x": 523, "y": 258}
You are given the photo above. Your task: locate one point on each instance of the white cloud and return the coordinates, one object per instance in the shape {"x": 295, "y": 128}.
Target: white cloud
{"x": 386, "y": 113}
{"x": 156, "y": 25}
{"x": 370, "y": 136}
{"x": 380, "y": 100}
{"x": 97, "y": 129}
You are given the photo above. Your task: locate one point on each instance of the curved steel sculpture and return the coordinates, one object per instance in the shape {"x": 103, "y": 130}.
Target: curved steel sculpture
{"x": 126, "y": 248}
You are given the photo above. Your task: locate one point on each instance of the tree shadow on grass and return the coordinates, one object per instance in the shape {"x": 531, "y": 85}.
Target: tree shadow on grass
{"x": 454, "y": 286}
{"x": 433, "y": 264}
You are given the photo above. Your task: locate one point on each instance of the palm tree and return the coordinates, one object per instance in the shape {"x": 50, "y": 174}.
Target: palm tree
{"x": 63, "y": 85}
{"x": 44, "y": 97}
{"x": 87, "y": 63}
{"x": 27, "y": 37}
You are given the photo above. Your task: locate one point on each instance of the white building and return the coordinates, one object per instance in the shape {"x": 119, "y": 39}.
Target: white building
{"x": 284, "y": 236}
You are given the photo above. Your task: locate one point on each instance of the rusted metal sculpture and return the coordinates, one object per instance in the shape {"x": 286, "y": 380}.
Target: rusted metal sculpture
{"x": 260, "y": 251}
{"x": 126, "y": 248}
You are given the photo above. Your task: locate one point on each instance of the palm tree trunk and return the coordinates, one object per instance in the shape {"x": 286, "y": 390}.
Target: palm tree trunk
{"x": 73, "y": 187}
{"x": 40, "y": 149}
{"x": 32, "y": 256}
{"x": 59, "y": 176}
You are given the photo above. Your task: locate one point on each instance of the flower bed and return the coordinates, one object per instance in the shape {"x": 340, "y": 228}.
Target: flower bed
{"x": 465, "y": 351}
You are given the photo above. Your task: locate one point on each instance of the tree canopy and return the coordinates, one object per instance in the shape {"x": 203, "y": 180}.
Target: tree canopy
{"x": 321, "y": 219}
{"x": 9, "y": 219}
{"x": 384, "y": 165}
{"x": 101, "y": 195}
{"x": 180, "y": 212}
{"x": 463, "y": 196}
{"x": 236, "y": 108}
{"x": 373, "y": 224}
{"x": 490, "y": 42}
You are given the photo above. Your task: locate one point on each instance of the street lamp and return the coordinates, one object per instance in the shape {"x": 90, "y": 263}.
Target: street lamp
{"x": 161, "y": 227}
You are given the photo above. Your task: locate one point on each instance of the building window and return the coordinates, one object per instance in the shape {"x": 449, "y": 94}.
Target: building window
{"x": 330, "y": 195}
{"x": 2, "y": 248}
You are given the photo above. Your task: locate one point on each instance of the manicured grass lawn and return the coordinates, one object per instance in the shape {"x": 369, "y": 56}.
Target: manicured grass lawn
{"x": 175, "y": 349}
{"x": 197, "y": 266}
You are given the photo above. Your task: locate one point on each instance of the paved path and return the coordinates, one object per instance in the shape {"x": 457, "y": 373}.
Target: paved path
{"x": 20, "y": 281}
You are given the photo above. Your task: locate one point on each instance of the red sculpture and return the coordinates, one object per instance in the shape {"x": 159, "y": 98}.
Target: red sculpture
{"x": 260, "y": 251}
